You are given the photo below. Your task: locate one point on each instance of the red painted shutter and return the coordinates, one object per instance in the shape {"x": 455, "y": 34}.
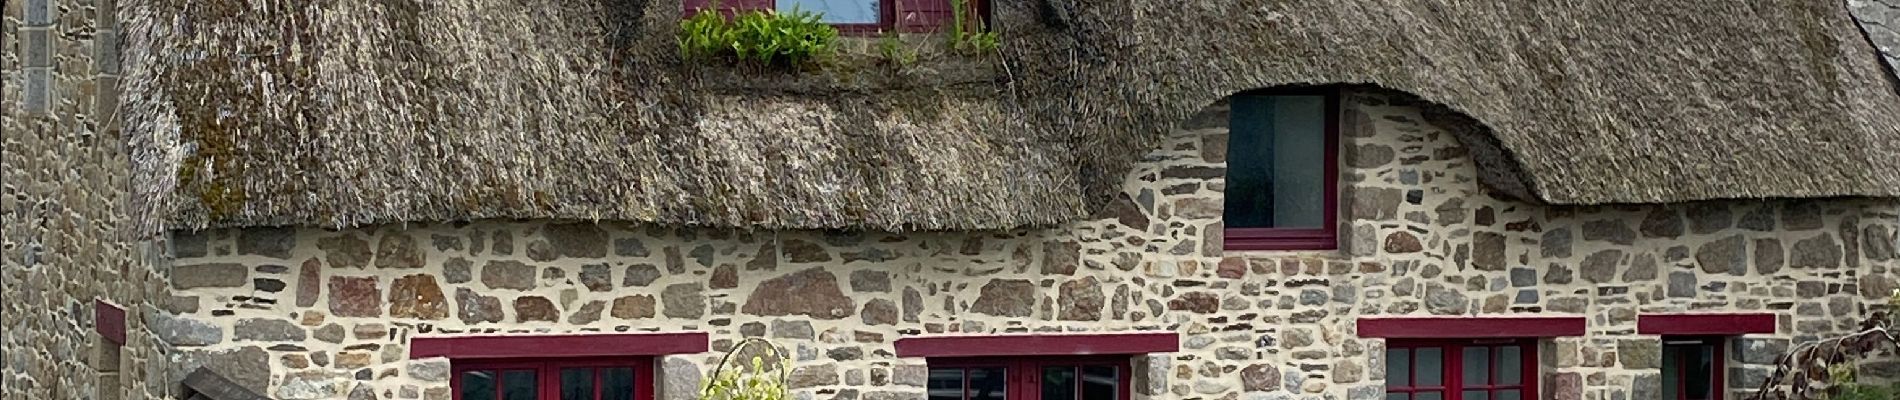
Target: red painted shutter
{"x": 925, "y": 15}
{"x": 690, "y": 7}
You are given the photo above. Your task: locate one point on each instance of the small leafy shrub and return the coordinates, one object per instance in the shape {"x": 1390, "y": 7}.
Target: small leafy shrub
{"x": 730, "y": 382}
{"x": 893, "y": 50}
{"x": 763, "y": 37}
{"x": 970, "y": 35}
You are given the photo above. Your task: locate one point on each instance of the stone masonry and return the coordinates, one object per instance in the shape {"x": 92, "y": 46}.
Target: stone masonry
{"x": 307, "y": 313}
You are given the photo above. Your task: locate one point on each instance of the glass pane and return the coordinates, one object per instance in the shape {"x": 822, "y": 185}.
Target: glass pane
{"x": 1477, "y": 395}
{"x": 1510, "y": 365}
{"x": 478, "y": 385}
{"x": 1276, "y": 162}
{"x": 1058, "y": 383}
{"x": 1398, "y": 396}
{"x": 1671, "y": 371}
{"x": 577, "y": 384}
{"x": 1398, "y": 368}
{"x": 1477, "y": 366}
{"x": 1431, "y": 367}
{"x": 518, "y": 385}
{"x": 1098, "y": 383}
{"x": 616, "y": 384}
{"x": 988, "y": 384}
{"x": 945, "y": 384}
{"x": 1506, "y": 395}
{"x": 1428, "y": 396}
{"x": 835, "y": 11}
{"x": 1700, "y": 358}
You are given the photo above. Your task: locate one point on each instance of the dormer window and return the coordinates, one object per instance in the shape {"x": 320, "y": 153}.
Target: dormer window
{"x": 1282, "y": 170}
{"x": 857, "y": 16}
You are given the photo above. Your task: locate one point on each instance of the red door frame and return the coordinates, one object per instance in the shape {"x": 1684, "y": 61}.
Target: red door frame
{"x": 1024, "y": 374}
{"x": 1453, "y": 383}
{"x": 1717, "y": 374}
{"x": 547, "y": 373}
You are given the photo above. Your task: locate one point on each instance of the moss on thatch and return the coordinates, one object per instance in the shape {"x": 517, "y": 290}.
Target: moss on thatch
{"x": 341, "y": 113}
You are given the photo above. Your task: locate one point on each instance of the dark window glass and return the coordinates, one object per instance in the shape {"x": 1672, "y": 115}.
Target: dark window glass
{"x": 478, "y": 385}
{"x": 577, "y": 384}
{"x": 518, "y": 384}
{"x": 616, "y": 384}
{"x": 1688, "y": 369}
{"x": 945, "y": 384}
{"x": 1058, "y": 383}
{"x": 1398, "y": 368}
{"x": 1276, "y": 162}
{"x": 988, "y": 384}
{"x": 1099, "y": 383}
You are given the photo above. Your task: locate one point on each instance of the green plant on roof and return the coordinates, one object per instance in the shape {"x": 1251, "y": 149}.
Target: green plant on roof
{"x": 970, "y": 35}
{"x": 763, "y": 37}
{"x": 892, "y": 49}
{"x": 730, "y": 382}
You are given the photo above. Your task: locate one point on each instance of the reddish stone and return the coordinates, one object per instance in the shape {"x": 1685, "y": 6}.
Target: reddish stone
{"x": 309, "y": 282}
{"x": 800, "y": 251}
{"x": 1060, "y": 257}
{"x": 1005, "y": 298}
{"x": 879, "y": 312}
{"x": 475, "y": 308}
{"x": 1402, "y": 242}
{"x": 398, "y": 250}
{"x": 812, "y": 292}
{"x": 724, "y": 277}
{"x": 633, "y": 307}
{"x": 417, "y": 296}
{"x": 535, "y": 308}
{"x": 1232, "y": 268}
{"x": 1081, "y": 300}
{"x": 1200, "y": 302}
{"x": 1260, "y": 378}
{"x": 352, "y": 296}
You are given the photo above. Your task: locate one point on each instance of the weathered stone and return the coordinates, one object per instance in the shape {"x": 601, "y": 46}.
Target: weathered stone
{"x": 504, "y": 274}
{"x": 913, "y": 304}
{"x": 800, "y": 251}
{"x": 1639, "y": 353}
{"x": 504, "y": 243}
{"x": 1060, "y": 257}
{"x": 766, "y": 259}
{"x": 267, "y": 330}
{"x": 429, "y": 369}
{"x": 640, "y": 275}
{"x": 458, "y": 270}
{"x": 812, "y": 376}
{"x": 1369, "y": 155}
{"x": 188, "y": 244}
{"x": 1725, "y": 255}
{"x": 1820, "y": 251}
{"x": 1555, "y": 244}
{"x": 1663, "y": 222}
{"x": 1445, "y": 301}
{"x": 1801, "y": 215}
{"x": 352, "y": 296}
{"x": 1081, "y": 300}
{"x": 683, "y": 300}
{"x": 580, "y": 240}
{"x": 1260, "y": 378}
{"x": 796, "y": 329}
{"x": 1374, "y": 203}
{"x": 1401, "y": 242}
{"x": 183, "y": 330}
{"x": 331, "y": 332}
{"x": 867, "y": 281}
{"x": 587, "y": 313}
{"x": 1612, "y": 230}
{"x": 1487, "y": 251}
{"x": 1523, "y": 277}
{"x": 1124, "y": 210}
{"x": 879, "y": 312}
{"x": 1768, "y": 256}
{"x": 1878, "y": 243}
{"x": 724, "y": 277}
{"x": 309, "y": 283}
{"x": 679, "y": 378}
{"x": 1197, "y": 208}
{"x": 1005, "y": 298}
{"x": 597, "y": 277}
{"x": 535, "y": 308}
{"x": 633, "y": 307}
{"x": 417, "y": 296}
{"x": 1200, "y": 302}
{"x": 398, "y": 250}
{"x": 274, "y": 242}
{"x": 812, "y": 292}
{"x": 210, "y": 275}
{"x": 1558, "y": 274}
{"x": 630, "y": 247}
{"x": 1682, "y": 284}
{"x": 1877, "y": 286}
{"x": 1600, "y": 267}
{"x": 247, "y": 366}
{"x": 1348, "y": 371}
{"x": 542, "y": 250}
{"x": 1643, "y": 269}
{"x": 475, "y": 308}
{"x": 311, "y": 385}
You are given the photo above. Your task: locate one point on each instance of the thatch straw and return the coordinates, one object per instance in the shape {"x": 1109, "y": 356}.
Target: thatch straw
{"x": 347, "y": 112}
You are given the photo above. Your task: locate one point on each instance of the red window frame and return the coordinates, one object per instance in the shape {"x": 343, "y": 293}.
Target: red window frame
{"x": 1024, "y": 378}
{"x": 888, "y": 20}
{"x": 1326, "y": 237}
{"x": 1717, "y": 378}
{"x": 548, "y": 373}
{"x": 1452, "y": 384}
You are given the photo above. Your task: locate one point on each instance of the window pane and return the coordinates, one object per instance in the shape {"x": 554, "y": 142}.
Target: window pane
{"x": 1398, "y": 367}
{"x": 1099, "y": 382}
{"x": 577, "y": 384}
{"x": 1477, "y": 366}
{"x": 1700, "y": 369}
{"x": 1428, "y": 396}
{"x": 616, "y": 384}
{"x": 1477, "y": 395}
{"x": 946, "y": 384}
{"x": 835, "y": 11}
{"x": 1398, "y": 396}
{"x": 1058, "y": 383}
{"x": 1506, "y": 395}
{"x": 988, "y": 384}
{"x": 1510, "y": 365}
{"x": 1431, "y": 367}
{"x": 518, "y": 385}
{"x": 1671, "y": 371}
{"x": 1276, "y": 162}
{"x": 478, "y": 385}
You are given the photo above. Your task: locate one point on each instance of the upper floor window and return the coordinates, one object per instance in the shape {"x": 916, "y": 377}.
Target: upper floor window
{"x": 858, "y": 16}
{"x": 1282, "y": 171}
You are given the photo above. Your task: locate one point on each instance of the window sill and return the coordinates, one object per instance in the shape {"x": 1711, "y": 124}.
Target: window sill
{"x": 1267, "y": 239}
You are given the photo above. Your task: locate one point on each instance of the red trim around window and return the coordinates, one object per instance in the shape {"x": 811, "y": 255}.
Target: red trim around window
{"x": 109, "y": 321}
{"x": 1039, "y": 344}
{"x": 547, "y": 372}
{"x": 1327, "y": 236}
{"x": 1024, "y": 375}
{"x": 1717, "y": 371}
{"x": 1452, "y": 385}
{"x": 1705, "y": 324}
{"x": 542, "y": 346}
{"x": 1470, "y": 327}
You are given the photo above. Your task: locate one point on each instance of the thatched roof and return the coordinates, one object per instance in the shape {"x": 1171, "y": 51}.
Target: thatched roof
{"x": 341, "y": 113}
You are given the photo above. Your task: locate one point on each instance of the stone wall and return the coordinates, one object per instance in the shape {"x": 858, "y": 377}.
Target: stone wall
{"x": 63, "y": 174}
{"x": 316, "y": 313}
